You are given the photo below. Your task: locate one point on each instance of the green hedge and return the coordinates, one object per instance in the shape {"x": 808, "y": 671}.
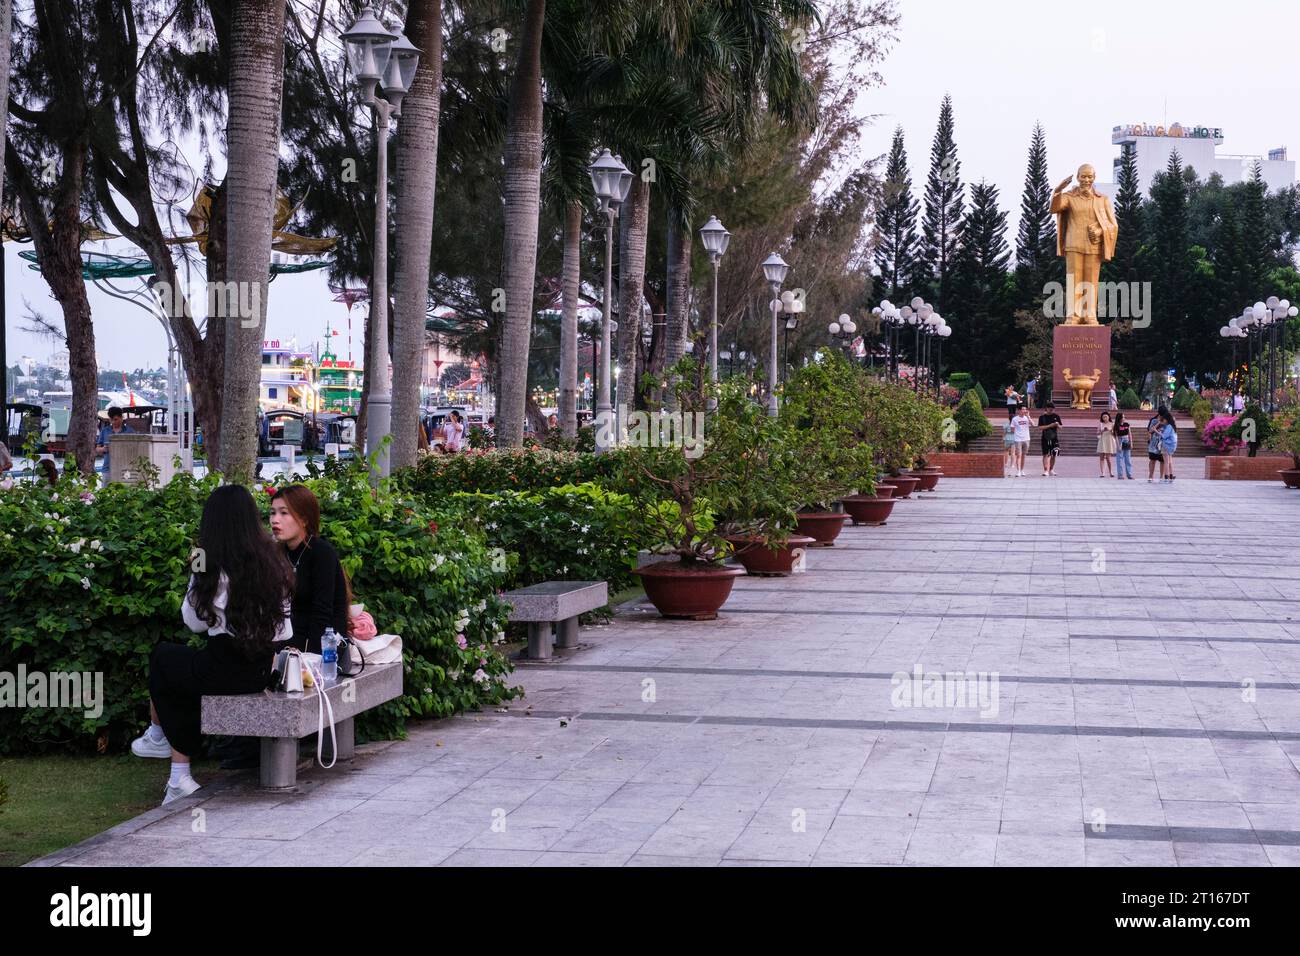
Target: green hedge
{"x": 983, "y": 395}
{"x": 505, "y": 470}
{"x": 971, "y": 420}
{"x": 91, "y": 580}
{"x": 1129, "y": 400}
{"x": 569, "y": 533}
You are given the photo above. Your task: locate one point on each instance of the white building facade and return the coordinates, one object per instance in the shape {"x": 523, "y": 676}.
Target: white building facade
{"x": 1197, "y": 147}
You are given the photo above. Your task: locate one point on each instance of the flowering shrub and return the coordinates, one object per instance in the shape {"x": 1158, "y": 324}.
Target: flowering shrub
{"x": 1216, "y": 434}
{"x": 569, "y": 533}
{"x": 92, "y": 579}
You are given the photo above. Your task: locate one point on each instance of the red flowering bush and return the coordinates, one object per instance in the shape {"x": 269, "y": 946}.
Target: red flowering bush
{"x": 1217, "y": 434}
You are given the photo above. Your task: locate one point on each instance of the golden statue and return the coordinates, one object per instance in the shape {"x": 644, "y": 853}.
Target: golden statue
{"x": 1086, "y": 231}
{"x": 1081, "y": 386}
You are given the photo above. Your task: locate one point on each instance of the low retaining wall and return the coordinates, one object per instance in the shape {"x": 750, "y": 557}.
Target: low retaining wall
{"x": 972, "y": 464}
{"x": 1243, "y": 468}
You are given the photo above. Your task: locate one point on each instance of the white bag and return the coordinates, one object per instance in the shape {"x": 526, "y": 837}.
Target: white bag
{"x": 382, "y": 649}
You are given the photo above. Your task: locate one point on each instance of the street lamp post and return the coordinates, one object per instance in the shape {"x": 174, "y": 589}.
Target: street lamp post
{"x": 379, "y": 56}
{"x": 715, "y": 238}
{"x": 611, "y": 180}
{"x": 774, "y": 270}
{"x": 843, "y": 326}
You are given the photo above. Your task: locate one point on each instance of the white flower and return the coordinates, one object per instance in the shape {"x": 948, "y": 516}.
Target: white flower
{"x": 480, "y": 675}
{"x": 75, "y": 547}
{"x": 97, "y": 545}
{"x": 85, "y": 583}
{"x": 586, "y": 528}
{"x": 481, "y": 606}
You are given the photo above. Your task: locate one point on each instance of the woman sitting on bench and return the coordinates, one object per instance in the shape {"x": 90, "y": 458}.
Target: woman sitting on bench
{"x": 239, "y": 594}
{"x": 320, "y": 597}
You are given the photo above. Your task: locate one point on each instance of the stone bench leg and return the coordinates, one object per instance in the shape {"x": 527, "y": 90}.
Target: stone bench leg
{"x": 567, "y": 633}
{"x": 539, "y": 641}
{"x": 345, "y": 735}
{"x": 279, "y": 770}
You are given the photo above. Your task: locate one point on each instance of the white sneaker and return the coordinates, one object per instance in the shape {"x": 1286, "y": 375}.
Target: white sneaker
{"x": 146, "y": 745}
{"x": 183, "y": 789}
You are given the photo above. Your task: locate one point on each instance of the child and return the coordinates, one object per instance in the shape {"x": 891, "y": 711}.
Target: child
{"x": 1009, "y": 449}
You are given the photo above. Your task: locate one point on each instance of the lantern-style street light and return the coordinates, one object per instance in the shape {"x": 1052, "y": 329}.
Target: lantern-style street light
{"x": 611, "y": 181}
{"x": 774, "y": 270}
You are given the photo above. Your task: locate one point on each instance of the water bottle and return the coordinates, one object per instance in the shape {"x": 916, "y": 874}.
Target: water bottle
{"x": 329, "y": 652}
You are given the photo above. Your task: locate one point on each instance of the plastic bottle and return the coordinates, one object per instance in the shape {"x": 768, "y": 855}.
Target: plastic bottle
{"x": 329, "y": 652}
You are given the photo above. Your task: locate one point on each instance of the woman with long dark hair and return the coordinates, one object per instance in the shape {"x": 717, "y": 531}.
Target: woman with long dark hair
{"x": 320, "y": 596}
{"x": 1168, "y": 441}
{"x": 239, "y": 594}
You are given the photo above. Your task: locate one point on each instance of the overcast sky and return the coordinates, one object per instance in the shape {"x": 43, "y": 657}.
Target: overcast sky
{"x": 1080, "y": 69}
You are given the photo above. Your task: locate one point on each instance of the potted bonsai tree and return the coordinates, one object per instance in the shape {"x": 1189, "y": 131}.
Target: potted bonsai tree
{"x": 823, "y": 411}
{"x": 1252, "y": 428}
{"x": 1286, "y": 438}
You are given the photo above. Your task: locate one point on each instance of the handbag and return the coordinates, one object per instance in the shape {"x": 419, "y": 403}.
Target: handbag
{"x": 351, "y": 661}
{"x": 286, "y": 671}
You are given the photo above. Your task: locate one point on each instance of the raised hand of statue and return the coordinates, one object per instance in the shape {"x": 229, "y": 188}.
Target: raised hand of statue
{"x": 1065, "y": 182}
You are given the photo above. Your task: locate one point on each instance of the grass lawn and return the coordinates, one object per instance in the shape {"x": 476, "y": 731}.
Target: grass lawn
{"x": 56, "y": 801}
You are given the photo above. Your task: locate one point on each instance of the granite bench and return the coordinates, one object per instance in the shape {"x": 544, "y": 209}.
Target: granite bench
{"x": 281, "y": 719}
{"x": 554, "y": 603}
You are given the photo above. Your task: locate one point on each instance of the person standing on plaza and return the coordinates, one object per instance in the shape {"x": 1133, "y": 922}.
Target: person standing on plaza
{"x": 1168, "y": 442}
{"x": 1113, "y": 401}
{"x": 1049, "y": 436}
{"x": 452, "y": 430}
{"x": 1021, "y": 422}
{"x": 1155, "y": 447}
{"x": 1031, "y": 391}
{"x": 1105, "y": 446}
{"x": 1123, "y": 447}
{"x": 116, "y": 426}
{"x": 1238, "y": 403}
{"x": 1009, "y": 449}
{"x": 1013, "y": 400}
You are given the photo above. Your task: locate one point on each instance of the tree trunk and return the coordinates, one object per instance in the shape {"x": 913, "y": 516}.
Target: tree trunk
{"x": 417, "y": 167}
{"x": 677, "y": 320}
{"x": 569, "y": 320}
{"x": 635, "y": 219}
{"x": 253, "y": 143}
{"x": 523, "y": 181}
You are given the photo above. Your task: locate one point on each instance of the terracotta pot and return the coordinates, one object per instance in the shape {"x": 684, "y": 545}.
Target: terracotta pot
{"x": 928, "y": 479}
{"x": 906, "y": 485}
{"x": 759, "y": 559}
{"x": 1291, "y": 477}
{"x": 868, "y": 509}
{"x": 822, "y": 526}
{"x": 693, "y": 593}
{"x": 886, "y": 489}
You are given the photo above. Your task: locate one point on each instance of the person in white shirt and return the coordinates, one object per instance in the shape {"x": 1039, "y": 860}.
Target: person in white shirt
{"x": 453, "y": 430}
{"x": 239, "y": 594}
{"x": 1021, "y": 422}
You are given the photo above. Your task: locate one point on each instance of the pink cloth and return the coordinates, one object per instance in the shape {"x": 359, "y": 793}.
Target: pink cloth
{"x": 362, "y": 626}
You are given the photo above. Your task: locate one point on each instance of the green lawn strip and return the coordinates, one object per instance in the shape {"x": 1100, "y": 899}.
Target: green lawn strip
{"x": 56, "y": 801}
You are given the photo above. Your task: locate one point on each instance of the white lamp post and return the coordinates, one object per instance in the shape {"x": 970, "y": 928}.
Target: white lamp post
{"x": 774, "y": 270}
{"x": 611, "y": 180}
{"x": 376, "y": 54}
{"x": 715, "y": 238}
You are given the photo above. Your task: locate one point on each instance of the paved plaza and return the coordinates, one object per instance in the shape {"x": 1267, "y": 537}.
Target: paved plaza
{"x": 1127, "y": 657}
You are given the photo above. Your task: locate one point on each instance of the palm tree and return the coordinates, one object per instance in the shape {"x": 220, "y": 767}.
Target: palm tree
{"x": 253, "y": 144}
{"x": 417, "y": 168}
{"x": 523, "y": 164}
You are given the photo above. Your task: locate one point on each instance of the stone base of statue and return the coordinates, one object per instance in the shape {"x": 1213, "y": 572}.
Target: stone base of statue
{"x": 1082, "y": 352}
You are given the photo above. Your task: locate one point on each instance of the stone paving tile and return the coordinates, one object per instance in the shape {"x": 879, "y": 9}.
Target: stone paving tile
{"x": 1122, "y": 734}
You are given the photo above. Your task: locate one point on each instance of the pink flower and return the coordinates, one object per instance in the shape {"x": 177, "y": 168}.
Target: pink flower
{"x": 88, "y": 497}
{"x": 461, "y": 642}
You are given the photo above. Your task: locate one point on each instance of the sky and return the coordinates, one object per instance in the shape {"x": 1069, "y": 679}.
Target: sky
{"x": 1080, "y": 69}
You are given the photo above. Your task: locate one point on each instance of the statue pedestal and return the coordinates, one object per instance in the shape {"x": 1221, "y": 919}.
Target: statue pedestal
{"x": 1081, "y": 349}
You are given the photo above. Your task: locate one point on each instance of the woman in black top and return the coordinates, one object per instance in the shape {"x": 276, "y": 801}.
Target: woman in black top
{"x": 320, "y": 598}
{"x": 1123, "y": 447}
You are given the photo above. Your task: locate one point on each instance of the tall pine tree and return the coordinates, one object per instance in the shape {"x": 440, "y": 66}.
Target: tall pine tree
{"x": 1036, "y": 259}
{"x": 980, "y": 291}
{"x": 1171, "y": 269}
{"x": 944, "y": 199}
{"x": 896, "y": 242}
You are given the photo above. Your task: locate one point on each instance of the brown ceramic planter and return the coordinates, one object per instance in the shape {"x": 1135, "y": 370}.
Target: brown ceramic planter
{"x": 1290, "y": 477}
{"x": 822, "y": 526}
{"x": 866, "y": 509}
{"x": 885, "y": 489}
{"x": 906, "y": 485}
{"x": 759, "y": 559}
{"x": 927, "y": 479}
{"x": 693, "y": 593}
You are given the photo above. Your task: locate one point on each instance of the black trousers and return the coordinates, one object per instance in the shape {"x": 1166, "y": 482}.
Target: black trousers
{"x": 179, "y": 676}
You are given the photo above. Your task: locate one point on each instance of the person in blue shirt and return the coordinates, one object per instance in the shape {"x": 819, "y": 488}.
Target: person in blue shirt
{"x": 1168, "y": 442}
{"x": 116, "y": 426}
